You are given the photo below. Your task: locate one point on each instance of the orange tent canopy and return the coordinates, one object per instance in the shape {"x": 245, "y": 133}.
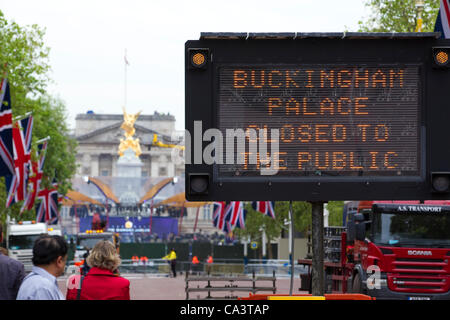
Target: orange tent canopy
{"x": 70, "y": 203}
{"x": 155, "y": 189}
{"x": 188, "y": 204}
{"x": 76, "y": 197}
{"x": 179, "y": 200}
{"x": 180, "y": 197}
{"x": 107, "y": 192}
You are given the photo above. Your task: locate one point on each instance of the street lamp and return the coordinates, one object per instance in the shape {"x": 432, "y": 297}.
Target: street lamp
{"x": 264, "y": 240}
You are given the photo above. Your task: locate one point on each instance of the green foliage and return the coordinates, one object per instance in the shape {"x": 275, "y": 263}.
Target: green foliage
{"x": 302, "y": 213}
{"x": 273, "y": 227}
{"x": 23, "y": 50}
{"x": 24, "y": 58}
{"x": 398, "y": 16}
{"x": 336, "y": 210}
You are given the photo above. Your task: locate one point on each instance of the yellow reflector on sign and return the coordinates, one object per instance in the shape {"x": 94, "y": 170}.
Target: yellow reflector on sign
{"x": 198, "y": 59}
{"x": 441, "y": 57}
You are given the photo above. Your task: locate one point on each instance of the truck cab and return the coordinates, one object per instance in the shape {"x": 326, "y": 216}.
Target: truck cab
{"x": 87, "y": 240}
{"x": 400, "y": 250}
{"x": 54, "y": 230}
{"x": 20, "y": 239}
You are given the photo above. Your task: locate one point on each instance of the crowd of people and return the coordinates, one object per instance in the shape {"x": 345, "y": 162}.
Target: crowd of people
{"x": 145, "y": 237}
{"x": 101, "y": 282}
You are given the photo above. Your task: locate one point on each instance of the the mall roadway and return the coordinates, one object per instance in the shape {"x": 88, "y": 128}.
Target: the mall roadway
{"x": 150, "y": 287}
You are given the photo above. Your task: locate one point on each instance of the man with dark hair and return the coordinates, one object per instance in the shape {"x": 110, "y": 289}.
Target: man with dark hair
{"x": 12, "y": 273}
{"x": 49, "y": 260}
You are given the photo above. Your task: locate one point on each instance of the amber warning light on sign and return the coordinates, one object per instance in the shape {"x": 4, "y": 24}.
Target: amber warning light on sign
{"x": 198, "y": 58}
{"x": 441, "y": 57}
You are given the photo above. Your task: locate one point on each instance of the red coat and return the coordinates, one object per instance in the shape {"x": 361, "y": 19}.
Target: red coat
{"x": 101, "y": 284}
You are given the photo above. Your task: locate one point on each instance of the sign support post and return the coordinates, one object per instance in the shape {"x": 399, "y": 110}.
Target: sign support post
{"x": 291, "y": 247}
{"x": 317, "y": 249}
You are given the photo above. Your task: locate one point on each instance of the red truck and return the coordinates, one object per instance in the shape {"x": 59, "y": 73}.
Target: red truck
{"x": 390, "y": 250}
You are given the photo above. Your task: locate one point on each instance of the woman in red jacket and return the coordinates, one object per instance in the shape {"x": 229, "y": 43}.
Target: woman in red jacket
{"x": 101, "y": 283}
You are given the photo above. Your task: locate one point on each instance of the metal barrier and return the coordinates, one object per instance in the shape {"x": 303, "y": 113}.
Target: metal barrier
{"x": 282, "y": 268}
{"x": 153, "y": 266}
{"x": 160, "y": 267}
{"x": 229, "y": 284}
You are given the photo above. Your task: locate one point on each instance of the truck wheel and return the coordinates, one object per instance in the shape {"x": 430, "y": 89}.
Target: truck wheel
{"x": 357, "y": 284}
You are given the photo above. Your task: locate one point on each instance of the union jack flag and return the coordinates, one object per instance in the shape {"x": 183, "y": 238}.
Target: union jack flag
{"x": 265, "y": 207}
{"x": 240, "y": 221}
{"x": 6, "y": 144}
{"x": 35, "y": 180}
{"x": 17, "y": 184}
{"x": 234, "y": 215}
{"x": 443, "y": 19}
{"x": 219, "y": 217}
{"x": 47, "y": 211}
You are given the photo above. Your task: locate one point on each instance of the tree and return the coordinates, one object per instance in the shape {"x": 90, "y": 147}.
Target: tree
{"x": 336, "y": 210}
{"x": 255, "y": 221}
{"x": 24, "y": 58}
{"x": 398, "y": 16}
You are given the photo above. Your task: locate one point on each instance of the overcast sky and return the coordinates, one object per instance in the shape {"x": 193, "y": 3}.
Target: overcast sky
{"x": 88, "y": 39}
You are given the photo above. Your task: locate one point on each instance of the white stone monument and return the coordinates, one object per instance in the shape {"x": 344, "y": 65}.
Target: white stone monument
{"x": 129, "y": 165}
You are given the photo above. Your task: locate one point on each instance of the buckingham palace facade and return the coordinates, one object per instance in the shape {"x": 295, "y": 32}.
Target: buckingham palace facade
{"x": 98, "y": 137}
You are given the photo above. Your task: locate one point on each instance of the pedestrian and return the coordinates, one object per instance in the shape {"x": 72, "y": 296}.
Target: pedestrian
{"x": 172, "y": 260}
{"x": 84, "y": 268}
{"x": 12, "y": 273}
{"x": 209, "y": 262}
{"x": 102, "y": 281}
{"x": 49, "y": 262}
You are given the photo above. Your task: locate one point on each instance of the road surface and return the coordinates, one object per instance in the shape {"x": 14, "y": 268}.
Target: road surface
{"x": 151, "y": 287}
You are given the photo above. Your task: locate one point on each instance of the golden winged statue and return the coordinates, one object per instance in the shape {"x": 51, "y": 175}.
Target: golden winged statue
{"x": 128, "y": 125}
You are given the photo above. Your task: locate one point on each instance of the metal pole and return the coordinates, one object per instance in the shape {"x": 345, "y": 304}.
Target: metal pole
{"x": 291, "y": 247}
{"x": 246, "y": 242}
{"x": 23, "y": 116}
{"x": 125, "y": 82}
{"x": 181, "y": 219}
{"x": 264, "y": 240}
{"x": 317, "y": 249}
{"x": 151, "y": 216}
{"x": 77, "y": 219}
{"x": 107, "y": 214}
{"x": 42, "y": 140}
{"x": 196, "y": 218}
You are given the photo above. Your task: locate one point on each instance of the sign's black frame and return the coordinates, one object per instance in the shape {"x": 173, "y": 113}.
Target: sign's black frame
{"x": 201, "y": 85}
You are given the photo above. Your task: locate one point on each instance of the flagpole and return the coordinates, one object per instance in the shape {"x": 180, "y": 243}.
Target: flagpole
{"x": 196, "y": 219}
{"x": 42, "y": 140}
{"x": 22, "y": 116}
{"x": 151, "y": 216}
{"x": 181, "y": 219}
{"x": 291, "y": 247}
{"x": 125, "y": 82}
